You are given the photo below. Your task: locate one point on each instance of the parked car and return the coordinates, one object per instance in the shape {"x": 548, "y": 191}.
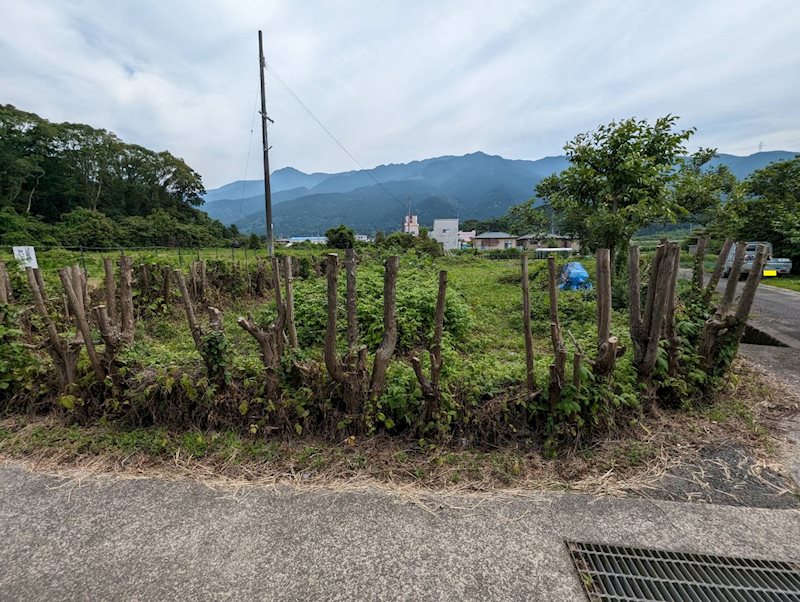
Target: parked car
{"x": 774, "y": 266}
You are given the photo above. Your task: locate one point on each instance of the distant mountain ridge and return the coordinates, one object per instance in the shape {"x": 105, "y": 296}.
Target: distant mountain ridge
{"x": 475, "y": 185}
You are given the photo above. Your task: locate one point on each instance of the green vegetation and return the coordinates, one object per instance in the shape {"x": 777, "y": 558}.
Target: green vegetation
{"x": 767, "y": 208}
{"x": 618, "y": 180}
{"x": 163, "y": 380}
{"x": 74, "y": 185}
{"x": 791, "y": 283}
{"x": 340, "y": 237}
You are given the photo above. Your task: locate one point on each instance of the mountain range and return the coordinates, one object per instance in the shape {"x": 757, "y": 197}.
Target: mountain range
{"x": 472, "y": 186}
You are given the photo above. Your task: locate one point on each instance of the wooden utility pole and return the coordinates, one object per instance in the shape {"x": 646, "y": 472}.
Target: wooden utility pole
{"x": 265, "y": 144}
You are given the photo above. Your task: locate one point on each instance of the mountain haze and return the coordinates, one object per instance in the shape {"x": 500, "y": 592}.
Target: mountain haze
{"x": 476, "y": 185}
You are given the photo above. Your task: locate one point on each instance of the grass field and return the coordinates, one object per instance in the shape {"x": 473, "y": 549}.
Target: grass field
{"x": 791, "y": 283}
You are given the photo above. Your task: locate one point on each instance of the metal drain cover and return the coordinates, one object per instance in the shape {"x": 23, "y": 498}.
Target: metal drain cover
{"x": 612, "y": 573}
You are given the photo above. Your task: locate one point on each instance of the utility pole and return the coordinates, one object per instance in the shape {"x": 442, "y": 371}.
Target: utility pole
{"x": 265, "y": 143}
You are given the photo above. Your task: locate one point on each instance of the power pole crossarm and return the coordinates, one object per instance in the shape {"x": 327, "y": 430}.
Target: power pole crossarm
{"x": 265, "y": 146}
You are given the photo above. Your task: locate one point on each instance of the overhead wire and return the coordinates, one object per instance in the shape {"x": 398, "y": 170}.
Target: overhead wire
{"x": 311, "y": 114}
{"x": 249, "y": 148}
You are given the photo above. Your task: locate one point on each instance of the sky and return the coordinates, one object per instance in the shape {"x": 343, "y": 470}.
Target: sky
{"x": 399, "y": 80}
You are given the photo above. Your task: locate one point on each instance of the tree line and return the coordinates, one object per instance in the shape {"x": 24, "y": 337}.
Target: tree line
{"x": 72, "y": 184}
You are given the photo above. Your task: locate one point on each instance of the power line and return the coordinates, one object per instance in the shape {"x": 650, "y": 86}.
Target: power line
{"x": 329, "y": 133}
{"x": 249, "y": 148}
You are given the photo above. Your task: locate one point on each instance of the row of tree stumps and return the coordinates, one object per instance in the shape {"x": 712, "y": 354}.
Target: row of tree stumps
{"x": 115, "y": 320}
{"x": 652, "y": 320}
{"x": 360, "y": 385}
{"x": 608, "y": 348}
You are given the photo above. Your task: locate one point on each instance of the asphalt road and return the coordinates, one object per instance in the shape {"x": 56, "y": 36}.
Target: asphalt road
{"x": 115, "y": 539}
{"x": 779, "y": 310}
{"x": 775, "y": 310}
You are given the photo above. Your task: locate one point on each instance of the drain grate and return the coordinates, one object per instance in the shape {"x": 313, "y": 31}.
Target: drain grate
{"x": 615, "y": 574}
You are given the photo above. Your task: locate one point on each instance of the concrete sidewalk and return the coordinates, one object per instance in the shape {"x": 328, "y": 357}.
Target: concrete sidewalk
{"x": 156, "y": 540}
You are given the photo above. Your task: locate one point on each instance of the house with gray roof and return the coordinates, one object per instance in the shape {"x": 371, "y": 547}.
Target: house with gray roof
{"x": 494, "y": 241}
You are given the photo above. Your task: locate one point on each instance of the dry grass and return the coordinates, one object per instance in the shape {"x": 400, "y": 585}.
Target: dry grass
{"x": 748, "y": 414}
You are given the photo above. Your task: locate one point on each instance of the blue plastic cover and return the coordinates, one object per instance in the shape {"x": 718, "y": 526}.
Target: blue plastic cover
{"x": 574, "y": 277}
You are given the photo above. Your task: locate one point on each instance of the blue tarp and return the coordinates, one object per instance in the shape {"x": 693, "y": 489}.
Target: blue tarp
{"x": 574, "y": 277}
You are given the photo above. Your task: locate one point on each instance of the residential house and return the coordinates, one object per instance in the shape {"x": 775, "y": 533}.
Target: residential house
{"x": 494, "y": 241}
{"x": 445, "y": 231}
{"x": 537, "y": 241}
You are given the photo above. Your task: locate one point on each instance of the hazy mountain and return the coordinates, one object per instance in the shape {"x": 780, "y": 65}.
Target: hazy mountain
{"x": 476, "y": 185}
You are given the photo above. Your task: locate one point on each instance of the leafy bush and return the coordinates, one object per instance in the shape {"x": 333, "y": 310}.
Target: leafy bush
{"x": 18, "y": 367}
{"x": 512, "y": 253}
{"x": 416, "y": 303}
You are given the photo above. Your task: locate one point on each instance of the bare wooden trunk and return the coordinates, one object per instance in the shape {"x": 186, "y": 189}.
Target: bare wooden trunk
{"x": 659, "y": 309}
{"x": 79, "y": 312}
{"x": 606, "y": 344}
{"x": 733, "y": 279}
{"x": 726, "y": 326}
{"x": 386, "y": 349}
{"x": 5, "y": 285}
{"x": 530, "y": 373}
{"x": 110, "y": 289}
{"x": 557, "y": 368}
{"x": 112, "y": 340}
{"x": 64, "y": 356}
{"x": 289, "y": 312}
{"x": 332, "y": 364}
{"x": 670, "y": 332}
{"x": 699, "y": 264}
{"x": 431, "y": 388}
{"x": 193, "y": 280}
{"x": 269, "y": 355}
{"x": 717, "y": 273}
{"x": 127, "y": 322}
{"x": 352, "y": 299}
{"x": 203, "y": 280}
{"x": 166, "y": 292}
{"x": 194, "y": 327}
{"x": 577, "y": 360}
{"x": 635, "y": 303}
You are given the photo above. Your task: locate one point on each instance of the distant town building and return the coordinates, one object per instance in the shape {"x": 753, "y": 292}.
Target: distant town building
{"x": 494, "y": 241}
{"x": 466, "y": 237}
{"x": 538, "y": 241}
{"x": 317, "y": 240}
{"x": 411, "y": 225}
{"x": 445, "y": 231}
{"x": 362, "y": 238}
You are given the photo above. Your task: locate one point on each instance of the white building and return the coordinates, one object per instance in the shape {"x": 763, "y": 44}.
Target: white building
{"x": 411, "y": 225}
{"x": 445, "y": 231}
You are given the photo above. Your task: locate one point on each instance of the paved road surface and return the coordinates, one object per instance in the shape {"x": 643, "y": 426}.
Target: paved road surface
{"x": 118, "y": 539}
{"x": 775, "y": 309}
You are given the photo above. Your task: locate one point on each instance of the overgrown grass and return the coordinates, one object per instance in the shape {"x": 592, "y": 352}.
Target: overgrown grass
{"x": 791, "y": 283}
{"x": 629, "y": 460}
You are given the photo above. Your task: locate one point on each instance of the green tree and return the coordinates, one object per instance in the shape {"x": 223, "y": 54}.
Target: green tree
{"x": 618, "y": 180}
{"x": 527, "y": 218}
{"x": 254, "y": 242}
{"x": 768, "y": 210}
{"x": 340, "y": 237}
{"x": 701, "y": 191}
{"x": 83, "y": 227}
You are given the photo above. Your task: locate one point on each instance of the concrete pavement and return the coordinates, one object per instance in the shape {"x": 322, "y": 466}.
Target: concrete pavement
{"x": 156, "y": 540}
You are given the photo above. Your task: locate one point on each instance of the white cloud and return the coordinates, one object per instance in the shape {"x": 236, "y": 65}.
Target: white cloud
{"x": 397, "y": 81}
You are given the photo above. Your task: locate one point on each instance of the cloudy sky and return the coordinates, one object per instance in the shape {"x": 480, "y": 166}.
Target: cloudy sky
{"x": 401, "y": 80}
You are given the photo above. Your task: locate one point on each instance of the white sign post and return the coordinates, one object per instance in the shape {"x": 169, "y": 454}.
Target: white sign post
{"x": 26, "y": 256}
